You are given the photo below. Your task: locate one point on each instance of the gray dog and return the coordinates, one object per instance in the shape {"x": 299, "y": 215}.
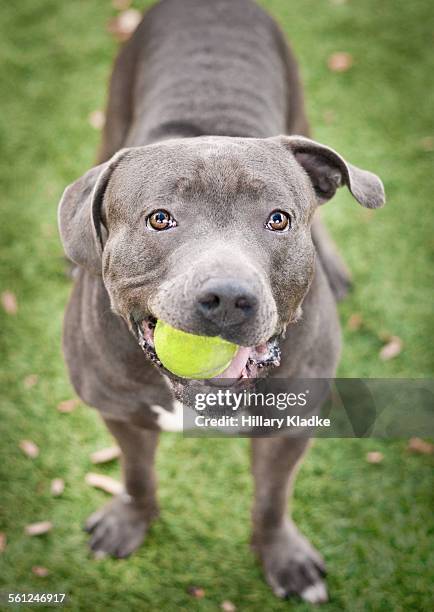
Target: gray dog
{"x": 201, "y": 212}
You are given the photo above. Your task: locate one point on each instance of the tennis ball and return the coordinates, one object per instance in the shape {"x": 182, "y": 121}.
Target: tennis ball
{"x": 191, "y": 356}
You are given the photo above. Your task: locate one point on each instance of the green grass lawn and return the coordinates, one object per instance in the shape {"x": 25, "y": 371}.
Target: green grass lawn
{"x": 373, "y": 523}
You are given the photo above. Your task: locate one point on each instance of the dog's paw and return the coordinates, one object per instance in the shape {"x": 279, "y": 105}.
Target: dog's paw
{"x": 118, "y": 528}
{"x": 292, "y": 566}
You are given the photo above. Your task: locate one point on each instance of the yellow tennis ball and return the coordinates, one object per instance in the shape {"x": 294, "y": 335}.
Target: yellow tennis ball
{"x": 190, "y": 356}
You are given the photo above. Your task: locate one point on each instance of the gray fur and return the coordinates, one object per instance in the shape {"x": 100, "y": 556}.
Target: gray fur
{"x": 199, "y": 100}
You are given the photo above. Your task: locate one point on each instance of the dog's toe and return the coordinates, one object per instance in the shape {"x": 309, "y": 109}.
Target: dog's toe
{"x": 292, "y": 566}
{"x": 118, "y": 529}
{"x": 93, "y": 520}
{"x": 315, "y": 593}
{"x": 300, "y": 578}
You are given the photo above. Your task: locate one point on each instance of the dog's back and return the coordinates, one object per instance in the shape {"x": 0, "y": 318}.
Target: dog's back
{"x": 205, "y": 67}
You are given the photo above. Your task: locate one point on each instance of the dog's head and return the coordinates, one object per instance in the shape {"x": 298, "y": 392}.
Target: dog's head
{"x": 210, "y": 234}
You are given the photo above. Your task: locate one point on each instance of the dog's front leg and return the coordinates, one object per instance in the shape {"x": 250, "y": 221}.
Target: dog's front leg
{"x": 120, "y": 526}
{"x": 291, "y": 564}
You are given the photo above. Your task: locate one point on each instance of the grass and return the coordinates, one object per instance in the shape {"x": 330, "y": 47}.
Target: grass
{"x": 373, "y": 523}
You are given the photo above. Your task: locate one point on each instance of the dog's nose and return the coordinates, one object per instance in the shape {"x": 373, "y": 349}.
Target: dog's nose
{"x": 226, "y": 303}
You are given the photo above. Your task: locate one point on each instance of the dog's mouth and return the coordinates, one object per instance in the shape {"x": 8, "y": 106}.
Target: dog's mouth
{"x": 248, "y": 362}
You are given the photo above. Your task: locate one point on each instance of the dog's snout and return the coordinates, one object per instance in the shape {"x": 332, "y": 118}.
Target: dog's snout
{"x": 226, "y": 303}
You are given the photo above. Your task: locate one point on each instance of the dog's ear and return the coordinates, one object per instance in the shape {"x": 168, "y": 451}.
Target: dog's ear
{"x": 327, "y": 171}
{"x": 79, "y": 215}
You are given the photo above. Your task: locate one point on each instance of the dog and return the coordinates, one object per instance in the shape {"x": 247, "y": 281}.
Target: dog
{"x": 202, "y": 212}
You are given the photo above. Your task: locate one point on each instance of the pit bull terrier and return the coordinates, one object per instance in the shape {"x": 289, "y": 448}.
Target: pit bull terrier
{"x": 201, "y": 212}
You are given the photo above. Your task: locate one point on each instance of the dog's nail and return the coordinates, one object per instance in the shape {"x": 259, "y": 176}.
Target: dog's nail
{"x": 315, "y": 593}
{"x": 99, "y": 554}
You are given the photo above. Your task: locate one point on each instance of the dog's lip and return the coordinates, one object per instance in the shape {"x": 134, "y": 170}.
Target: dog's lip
{"x": 247, "y": 362}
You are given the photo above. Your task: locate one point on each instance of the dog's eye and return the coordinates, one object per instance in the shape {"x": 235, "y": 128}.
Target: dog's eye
{"x": 278, "y": 221}
{"x": 160, "y": 220}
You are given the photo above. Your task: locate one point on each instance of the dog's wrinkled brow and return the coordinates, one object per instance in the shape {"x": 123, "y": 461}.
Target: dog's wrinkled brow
{"x": 204, "y": 177}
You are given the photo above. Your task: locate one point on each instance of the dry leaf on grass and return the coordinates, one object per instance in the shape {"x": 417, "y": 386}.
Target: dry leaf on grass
{"x": 40, "y": 571}
{"x": 121, "y": 5}
{"x": 374, "y": 457}
{"x": 122, "y": 26}
{"x": 329, "y": 116}
{"x": 107, "y": 484}
{"x": 68, "y": 405}
{"x": 340, "y": 62}
{"x": 417, "y": 445}
{"x": 97, "y": 119}
{"x": 427, "y": 143}
{"x": 57, "y": 487}
{"x": 30, "y": 381}
{"x": 228, "y": 606}
{"x": 3, "y": 541}
{"x": 367, "y": 214}
{"x": 391, "y": 349}
{"x": 35, "y": 529}
{"x": 105, "y": 455}
{"x": 9, "y": 302}
{"x": 355, "y": 322}
{"x": 29, "y": 448}
{"x": 196, "y": 592}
